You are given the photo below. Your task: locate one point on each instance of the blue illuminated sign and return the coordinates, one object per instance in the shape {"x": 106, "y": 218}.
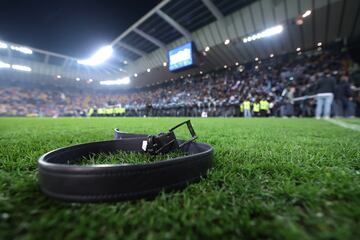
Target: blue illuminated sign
{"x": 181, "y": 57}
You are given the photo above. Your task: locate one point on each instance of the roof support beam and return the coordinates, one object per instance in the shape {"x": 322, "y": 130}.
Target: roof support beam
{"x": 140, "y": 21}
{"x": 130, "y": 48}
{"x": 174, "y": 24}
{"x": 213, "y": 9}
{"x": 149, "y": 38}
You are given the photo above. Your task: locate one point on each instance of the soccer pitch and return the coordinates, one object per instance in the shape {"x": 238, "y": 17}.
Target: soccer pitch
{"x": 271, "y": 178}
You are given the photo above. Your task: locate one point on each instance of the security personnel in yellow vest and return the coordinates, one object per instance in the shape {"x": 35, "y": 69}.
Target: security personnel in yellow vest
{"x": 100, "y": 111}
{"x": 264, "y": 108}
{"x": 256, "y": 109}
{"x": 90, "y": 112}
{"x": 247, "y": 109}
{"x": 241, "y": 109}
{"x": 110, "y": 112}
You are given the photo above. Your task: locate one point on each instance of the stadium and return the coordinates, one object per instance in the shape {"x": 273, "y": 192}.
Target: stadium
{"x": 199, "y": 119}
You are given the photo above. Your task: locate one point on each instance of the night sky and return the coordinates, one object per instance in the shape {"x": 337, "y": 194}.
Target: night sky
{"x": 73, "y": 27}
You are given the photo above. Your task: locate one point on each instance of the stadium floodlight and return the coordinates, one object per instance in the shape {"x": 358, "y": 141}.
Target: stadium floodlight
{"x": 4, "y": 65}
{"x": 120, "y": 81}
{"x": 99, "y": 57}
{"x": 225, "y": 66}
{"x": 298, "y": 49}
{"x": 24, "y": 50}
{"x": 319, "y": 44}
{"x": 3, "y": 45}
{"x": 21, "y": 68}
{"x": 135, "y": 74}
{"x": 201, "y": 72}
{"x": 125, "y": 62}
{"x": 256, "y": 59}
{"x": 58, "y": 76}
{"x": 164, "y": 64}
{"x": 237, "y": 64}
{"x": 306, "y": 14}
{"x": 148, "y": 70}
{"x": 266, "y": 33}
{"x": 77, "y": 79}
{"x": 271, "y": 55}
{"x": 227, "y": 42}
{"x": 207, "y": 49}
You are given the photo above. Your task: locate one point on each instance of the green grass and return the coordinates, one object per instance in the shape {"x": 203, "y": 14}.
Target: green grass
{"x": 271, "y": 179}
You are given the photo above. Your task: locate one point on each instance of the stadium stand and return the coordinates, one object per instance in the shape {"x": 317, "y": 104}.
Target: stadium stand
{"x": 218, "y": 93}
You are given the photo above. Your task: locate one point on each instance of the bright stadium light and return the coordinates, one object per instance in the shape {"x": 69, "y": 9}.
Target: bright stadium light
{"x": 266, "y": 33}
{"x": 227, "y": 42}
{"x": 99, "y": 57}
{"x": 164, "y": 64}
{"x": 298, "y": 49}
{"x": 121, "y": 81}
{"x": 256, "y": 59}
{"x": 21, "y": 68}
{"x": 319, "y": 44}
{"x": 4, "y": 65}
{"x": 237, "y": 64}
{"x": 3, "y": 45}
{"x": 135, "y": 75}
{"x": 272, "y": 55}
{"x": 148, "y": 70}
{"x": 24, "y": 50}
{"x": 125, "y": 62}
{"x": 207, "y": 49}
{"x": 306, "y": 14}
{"x": 77, "y": 79}
{"x": 58, "y": 76}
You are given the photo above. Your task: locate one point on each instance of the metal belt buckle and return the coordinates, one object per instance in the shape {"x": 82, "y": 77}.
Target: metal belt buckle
{"x": 191, "y": 130}
{"x": 166, "y": 142}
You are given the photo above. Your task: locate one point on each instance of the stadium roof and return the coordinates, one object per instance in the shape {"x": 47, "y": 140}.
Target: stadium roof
{"x": 208, "y": 23}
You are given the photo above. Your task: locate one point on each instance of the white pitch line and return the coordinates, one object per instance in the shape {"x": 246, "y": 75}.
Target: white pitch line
{"x": 344, "y": 124}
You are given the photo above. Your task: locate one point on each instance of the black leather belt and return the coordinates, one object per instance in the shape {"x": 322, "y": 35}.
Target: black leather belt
{"x": 61, "y": 178}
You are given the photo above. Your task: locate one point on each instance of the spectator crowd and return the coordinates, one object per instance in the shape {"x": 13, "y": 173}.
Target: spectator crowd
{"x": 267, "y": 87}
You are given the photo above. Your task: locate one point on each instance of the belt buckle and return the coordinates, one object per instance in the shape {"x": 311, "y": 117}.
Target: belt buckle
{"x": 161, "y": 143}
{"x": 166, "y": 142}
{"x": 191, "y": 130}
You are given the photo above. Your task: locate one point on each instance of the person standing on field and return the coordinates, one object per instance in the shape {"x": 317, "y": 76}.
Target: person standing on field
{"x": 247, "y": 108}
{"x": 256, "y": 108}
{"x": 264, "y": 107}
{"x": 325, "y": 89}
